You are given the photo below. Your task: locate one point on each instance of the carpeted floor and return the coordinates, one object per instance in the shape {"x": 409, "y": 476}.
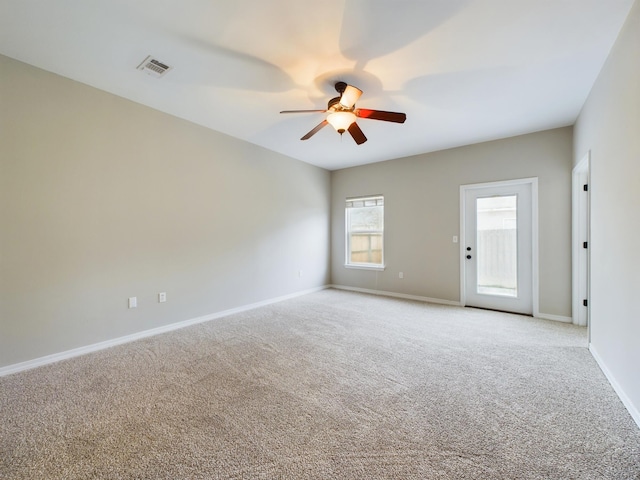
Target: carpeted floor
{"x": 332, "y": 385}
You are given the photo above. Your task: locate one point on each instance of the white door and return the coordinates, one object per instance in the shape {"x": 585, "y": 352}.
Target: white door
{"x": 580, "y": 231}
{"x": 497, "y": 245}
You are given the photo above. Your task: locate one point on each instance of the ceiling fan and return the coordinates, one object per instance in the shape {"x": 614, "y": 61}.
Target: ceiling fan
{"x": 342, "y": 114}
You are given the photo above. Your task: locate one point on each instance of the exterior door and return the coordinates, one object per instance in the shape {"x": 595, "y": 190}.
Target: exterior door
{"x": 497, "y": 245}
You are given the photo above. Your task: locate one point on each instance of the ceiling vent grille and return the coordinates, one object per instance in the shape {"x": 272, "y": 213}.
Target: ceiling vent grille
{"x": 153, "y": 67}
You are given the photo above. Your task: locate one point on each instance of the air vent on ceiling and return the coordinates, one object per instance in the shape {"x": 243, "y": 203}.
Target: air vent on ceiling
{"x": 153, "y": 67}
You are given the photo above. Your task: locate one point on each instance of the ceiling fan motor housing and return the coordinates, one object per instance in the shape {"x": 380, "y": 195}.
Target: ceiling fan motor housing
{"x": 333, "y": 102}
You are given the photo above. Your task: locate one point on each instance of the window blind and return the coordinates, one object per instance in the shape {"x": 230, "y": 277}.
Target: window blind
{"x": 359, "y": 202}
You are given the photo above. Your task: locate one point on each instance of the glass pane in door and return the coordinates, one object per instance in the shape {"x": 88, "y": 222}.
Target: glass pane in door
{"x": 497, "y": 247}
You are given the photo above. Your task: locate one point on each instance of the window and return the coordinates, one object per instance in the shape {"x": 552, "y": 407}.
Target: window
{"x": 364, "y": 231}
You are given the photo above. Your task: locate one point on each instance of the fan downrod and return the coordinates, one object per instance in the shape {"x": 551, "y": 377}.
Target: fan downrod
{"x": 340, "y": 87}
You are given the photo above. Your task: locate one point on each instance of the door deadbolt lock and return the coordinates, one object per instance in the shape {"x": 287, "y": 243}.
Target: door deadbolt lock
{"x": 468, "y": 257}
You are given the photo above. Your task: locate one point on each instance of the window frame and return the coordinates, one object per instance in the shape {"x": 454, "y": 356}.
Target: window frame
{"x": 348, "y": 232}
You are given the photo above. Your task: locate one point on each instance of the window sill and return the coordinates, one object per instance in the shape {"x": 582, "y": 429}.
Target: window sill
{"x": 377, "y": 268}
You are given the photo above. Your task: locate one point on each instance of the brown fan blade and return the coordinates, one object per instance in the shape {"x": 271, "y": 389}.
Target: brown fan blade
{"x": 357, "y": 134}
{"x": 315, "y": 130}
{"x": 303, "y": 111}
{"x": 381, "y": 115}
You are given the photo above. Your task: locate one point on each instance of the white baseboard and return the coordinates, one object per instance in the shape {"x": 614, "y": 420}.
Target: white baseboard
{"x": 555, "y": 318}
{"x": 544, "y": 316}
{"x": 626, "y": 401}
{"x": 56, "y": 357}
{"x": 397, "y": 295}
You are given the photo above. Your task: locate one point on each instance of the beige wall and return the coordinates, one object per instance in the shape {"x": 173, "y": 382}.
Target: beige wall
{"x": 609, "y": 127}
{"x": 422, "y": 214}
{"x": 102, "y": 199}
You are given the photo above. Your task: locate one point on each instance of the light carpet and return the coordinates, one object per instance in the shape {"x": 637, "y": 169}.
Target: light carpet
{"x": 331, "y": 385}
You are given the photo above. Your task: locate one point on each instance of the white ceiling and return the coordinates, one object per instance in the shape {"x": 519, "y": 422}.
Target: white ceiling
{"x": 463, "y": 71}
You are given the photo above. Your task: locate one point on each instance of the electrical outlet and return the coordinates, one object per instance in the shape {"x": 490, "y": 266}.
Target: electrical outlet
{"x": 133, "y": 302}
{"x": 162, "y": 297}
{"x": 299, "y": 273}
{"x": 401, "y": 275}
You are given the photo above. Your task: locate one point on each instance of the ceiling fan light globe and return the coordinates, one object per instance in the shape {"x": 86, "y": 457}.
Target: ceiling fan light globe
{"x": 341, "y": 120}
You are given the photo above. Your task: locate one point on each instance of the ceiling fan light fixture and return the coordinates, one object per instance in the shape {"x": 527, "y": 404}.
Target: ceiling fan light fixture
{"x": 350, "y": 96}
{"x": 341, "y": 121}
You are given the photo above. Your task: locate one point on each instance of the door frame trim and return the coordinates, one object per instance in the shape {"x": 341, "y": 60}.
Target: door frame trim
{"x": 533, "y": 181}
